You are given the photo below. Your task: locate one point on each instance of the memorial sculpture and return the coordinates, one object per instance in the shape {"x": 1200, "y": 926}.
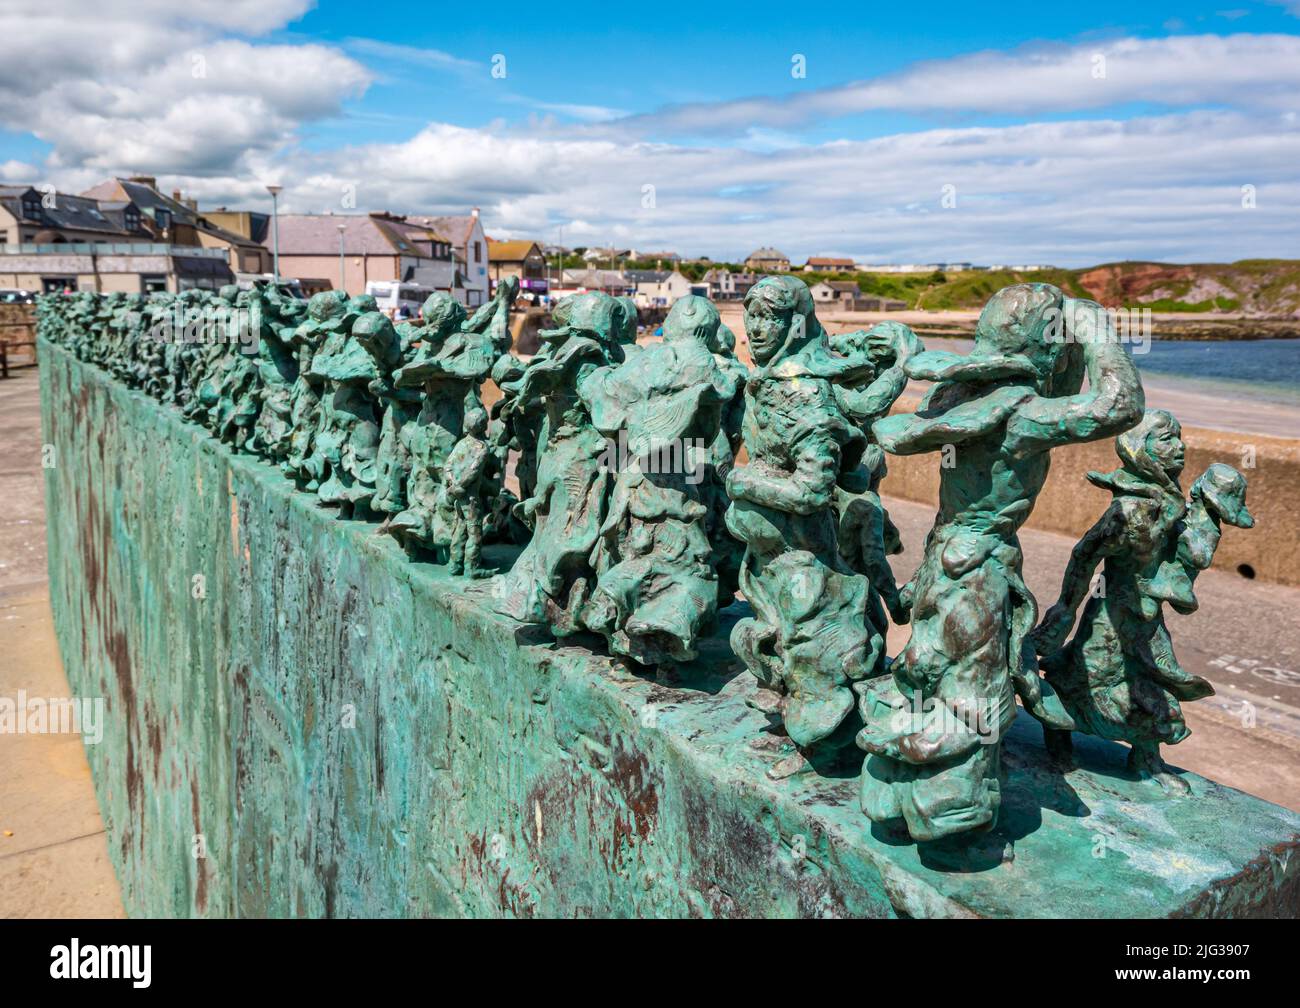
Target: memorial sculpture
{"x": 810, "y": 637}
{"x": 1118, "y": 678}
{"x": 553, "y": 578}
{"x": 639, "y": 525}
{"x": 660, "y": 411}
{"x": 933, "y": 728}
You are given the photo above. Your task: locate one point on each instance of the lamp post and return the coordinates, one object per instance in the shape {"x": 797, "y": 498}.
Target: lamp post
{"x": 342, "y": 284}
{"x": 274, "y": 190}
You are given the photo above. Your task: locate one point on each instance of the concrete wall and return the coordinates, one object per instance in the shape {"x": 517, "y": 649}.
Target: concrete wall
{"x": 1070, "y": 504}
{"x": 300, "y": 722}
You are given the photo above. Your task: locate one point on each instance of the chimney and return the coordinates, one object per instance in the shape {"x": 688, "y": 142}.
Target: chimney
{"x": 145, "y": 180}
{"x": 176, "y": 195}
{"x": 474, "y": 212}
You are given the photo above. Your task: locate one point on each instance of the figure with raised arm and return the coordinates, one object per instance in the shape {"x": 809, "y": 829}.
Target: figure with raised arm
{"x": 933, "y": 729}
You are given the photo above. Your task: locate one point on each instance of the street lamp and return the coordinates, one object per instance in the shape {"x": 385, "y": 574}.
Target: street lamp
{"x": 342, "y": 285}
{"x": 274, "y": 190}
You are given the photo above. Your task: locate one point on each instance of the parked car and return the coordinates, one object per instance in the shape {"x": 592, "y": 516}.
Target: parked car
{"x": 12, "y": 295}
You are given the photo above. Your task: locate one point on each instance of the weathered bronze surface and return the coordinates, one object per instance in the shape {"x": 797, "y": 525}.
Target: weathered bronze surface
{"x": 665, "y": 490}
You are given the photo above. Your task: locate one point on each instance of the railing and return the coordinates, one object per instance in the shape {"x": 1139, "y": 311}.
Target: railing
{"x": 115, "y": 248}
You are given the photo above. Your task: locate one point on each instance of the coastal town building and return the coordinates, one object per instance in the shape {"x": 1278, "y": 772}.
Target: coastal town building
{"x": 469, "y": 246}
{"x": 827, "y": 264}
{"x": 658, "y": 288}
{"x": 767, "y": 260}
{"x": 523, "y": 259}
{"x": 378, "y": 246}
{"x": 826, "y": 292}
{"x": 613, "y": 282}
{"x": 176, "y": 221}
{"x": 108, "y": 239}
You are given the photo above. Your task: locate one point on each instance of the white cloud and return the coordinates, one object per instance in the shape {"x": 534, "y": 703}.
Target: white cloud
{"x": 115, "y": 93}
{"x": 1180, "y": 71}
{"x": 157, "y": 87}
{"x": 1067, "y": 193}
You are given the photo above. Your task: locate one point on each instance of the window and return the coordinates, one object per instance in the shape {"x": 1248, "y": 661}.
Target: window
{"x": 478, "y": 251}
{"x": 152, "y": 284}
{"x": 32, "y": 207}
{"x": 55, "y": 285}
{"x": 163, "y": 218}
{"x": 131, "y": 216}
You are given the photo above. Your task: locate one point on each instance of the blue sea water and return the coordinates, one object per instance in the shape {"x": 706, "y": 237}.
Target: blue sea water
{"x": 1259, "y": 369}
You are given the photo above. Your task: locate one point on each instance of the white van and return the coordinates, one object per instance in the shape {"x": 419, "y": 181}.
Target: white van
{"x": 392, "y": 296}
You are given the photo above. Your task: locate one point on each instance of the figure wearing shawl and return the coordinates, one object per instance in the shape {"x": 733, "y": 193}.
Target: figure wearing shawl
{"x": 553, "y": 578}
{"x": 1118, "y": 677}
{"x": 867, "y": 537}
{"x": 445, "y": 370}
{"x": 330, "y": 316}
{"x": 352, "y": 364}
{"x": 933, "y": 729}
{"x": 463, "y": 485}
{"x": 656, "y": 591}
{"x": 809, "y": 637}
{"x": 278, "y": 370}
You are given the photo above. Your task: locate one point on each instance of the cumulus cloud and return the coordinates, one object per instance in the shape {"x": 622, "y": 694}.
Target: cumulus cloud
{"x": 1066, "y": 193}
{"x": 160, "y": 87}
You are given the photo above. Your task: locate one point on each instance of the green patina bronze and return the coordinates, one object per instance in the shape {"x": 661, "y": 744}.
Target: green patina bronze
{"x": 638, "y": 527}
{"x": 818, "y": 625}
{"x": 933, "y": 729}
{"x": 1118, "y": 678}
{"x": 350, "y": 733}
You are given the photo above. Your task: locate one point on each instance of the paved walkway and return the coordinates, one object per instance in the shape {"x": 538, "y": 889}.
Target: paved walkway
{"x": 53, "y": 849}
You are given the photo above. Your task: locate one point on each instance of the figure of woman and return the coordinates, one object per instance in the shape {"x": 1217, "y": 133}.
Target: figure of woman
{"x": 352, "y": 365}
{"x": 1118, "y": 677}
{"x": 660, "y": 412}
{"x": 553, "y": 578}
{"x": 809, "y": 637}
{"x": 933, "y": 730}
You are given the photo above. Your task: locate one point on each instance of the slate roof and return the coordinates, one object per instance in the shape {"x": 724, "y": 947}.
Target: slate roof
{"x": 68, "y": 213}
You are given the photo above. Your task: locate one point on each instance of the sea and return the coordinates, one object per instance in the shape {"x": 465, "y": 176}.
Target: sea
{"x": 1266, "y": 369}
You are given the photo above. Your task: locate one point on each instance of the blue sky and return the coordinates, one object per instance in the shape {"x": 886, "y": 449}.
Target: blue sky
{"x": 684, "y": 127}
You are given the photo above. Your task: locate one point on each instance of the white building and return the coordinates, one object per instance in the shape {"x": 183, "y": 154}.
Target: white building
{"x": 658, "y": 288}
{"x": 465, "y": 232}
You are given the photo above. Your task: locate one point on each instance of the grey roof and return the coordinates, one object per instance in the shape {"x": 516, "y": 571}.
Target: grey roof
{"x": 68, "y": 213}
{"x": 647, "y": 276}
{"x": 457, "y": 229}
{"x": 767, "y": 253}
{"x": 318, "y": 234}
{"x": 598, "y": 278}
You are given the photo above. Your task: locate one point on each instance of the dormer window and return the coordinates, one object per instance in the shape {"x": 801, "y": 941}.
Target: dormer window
{"x": 32, "y": 207}
{"x": 131, "y": 216}
{"x": 163, "y": 218}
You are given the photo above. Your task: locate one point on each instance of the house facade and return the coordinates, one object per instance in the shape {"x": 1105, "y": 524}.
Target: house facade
{"x": 657, "y": 288}
{"x": 56, "y": 241}
{"x": 522, "y": 259}
{"x": 378, "y": 246}
{"x": 767, "y": 260}
{"x": 176, "y": 221}
{"x": 470, "y": 252}
{"x": 828, "y": 264}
